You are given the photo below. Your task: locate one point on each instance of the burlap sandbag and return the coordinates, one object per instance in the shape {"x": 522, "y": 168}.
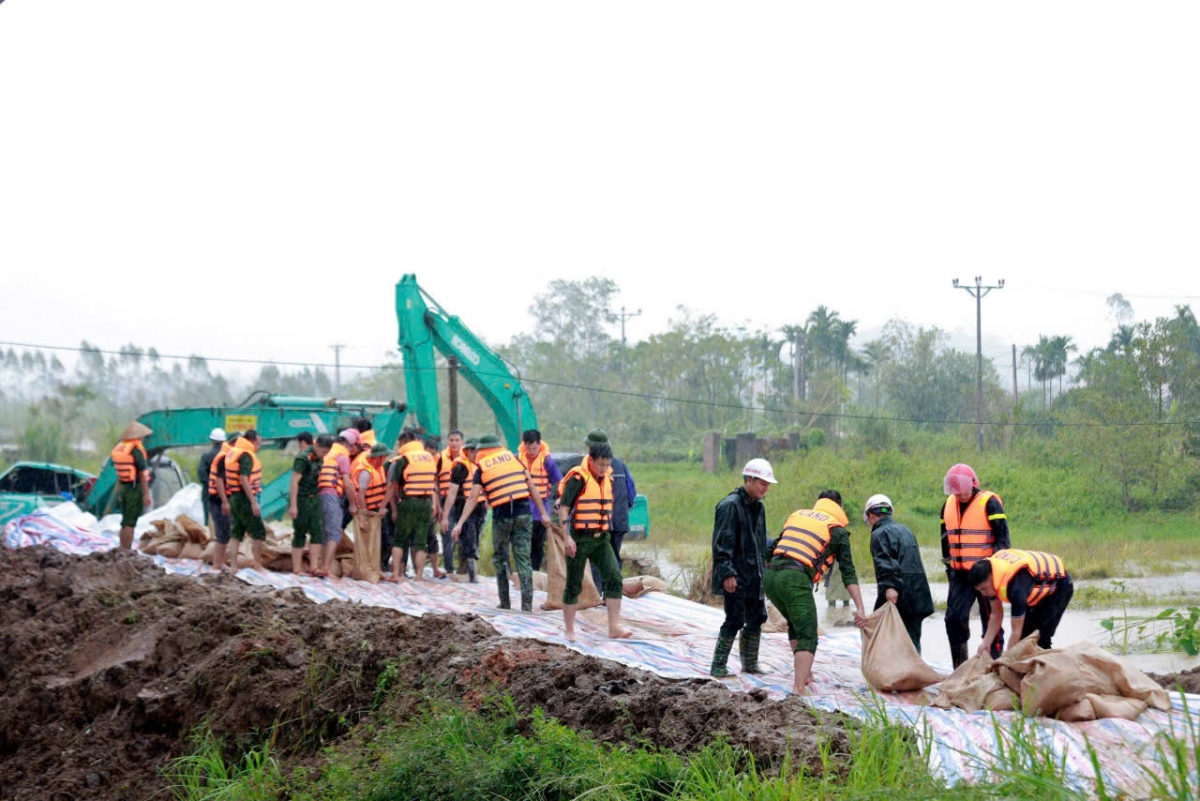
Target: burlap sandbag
{"x": 195, "y": 532}
{"x": 171, "y": 549}
{"x": 192, "y": 550}
{"x": 1061, "y": 677}
{"x": 366, "y": 547}
{"x": 209, "y": 550}
{"x": 969, "y": 686}
{"x": 637, "y": 586}
{"x": 1102, "y": 706}
{"x": 890, "y": 663}
{"x": 776, "y": 622}
{"x": 556, "y": 572}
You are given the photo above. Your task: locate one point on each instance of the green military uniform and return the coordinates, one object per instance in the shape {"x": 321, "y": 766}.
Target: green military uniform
{"x": 591, "y": 545}
{"x": 414, "y": 516}
{"x": 308, "y": 509}
{"x": 241, "y": 514}
{"x": 130, "y": 497}
{"x": 789, "y": 585}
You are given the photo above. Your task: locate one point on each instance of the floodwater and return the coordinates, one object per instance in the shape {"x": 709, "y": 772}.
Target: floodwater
{"x": 1077, "y": 624}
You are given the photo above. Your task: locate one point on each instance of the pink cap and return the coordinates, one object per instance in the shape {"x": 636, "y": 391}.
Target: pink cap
{"x": 350, "y": 435}
{"x": 960, "y": 479}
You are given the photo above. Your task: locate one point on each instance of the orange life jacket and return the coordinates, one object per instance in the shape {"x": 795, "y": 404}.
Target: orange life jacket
{"x": 217, "y": 461}
{"x": 807, "y": 534}
{"x": 971, "y": 536}
{"x": 330, "y": 476}
{"x": 593, "y": 507}
{"x": 537, "y": 468}
{"x": 373, "y": 497}
{"x": 123, "y": 461}
{"x": 368, "y": 439}
{"x": 446, "y": 464}
{"x": 502, "y": 476}
{"x": 1046, "y": 569}
{"x": 233, "y": 484}
{"x": 420, "y": 474}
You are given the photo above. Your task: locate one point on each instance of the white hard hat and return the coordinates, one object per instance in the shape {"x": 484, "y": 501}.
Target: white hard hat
{"x": 760, "y": 468}
{"x": 217, "y": 435}
{"x": 881, "y": 503}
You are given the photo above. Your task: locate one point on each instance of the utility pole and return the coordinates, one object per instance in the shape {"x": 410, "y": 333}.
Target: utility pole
{"x": 1016, "y": 398}
{"x": 623, "y": 316}
{"x": 978, "y": 291}
{"x": 337, "y": 368}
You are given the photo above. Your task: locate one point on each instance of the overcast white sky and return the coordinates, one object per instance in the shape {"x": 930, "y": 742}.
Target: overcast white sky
{"x": 749, "y": 160}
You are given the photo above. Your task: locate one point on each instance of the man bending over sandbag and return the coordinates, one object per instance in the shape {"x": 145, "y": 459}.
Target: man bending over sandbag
{"x": 899, "y": 573}
{"x": 1035, "y": 584}
{"x": 811, "y": 540}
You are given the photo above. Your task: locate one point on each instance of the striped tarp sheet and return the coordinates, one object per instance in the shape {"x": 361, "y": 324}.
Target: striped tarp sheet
{"x": 674, "y": 638}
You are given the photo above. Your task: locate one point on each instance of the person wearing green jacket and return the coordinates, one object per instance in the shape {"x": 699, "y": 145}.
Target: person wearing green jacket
{"x": 899, "y": 573}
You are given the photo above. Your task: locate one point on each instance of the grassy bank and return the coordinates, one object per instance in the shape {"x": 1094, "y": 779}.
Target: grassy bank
{"x": 449, "y": 752}
{"x": 1049, "y": 508}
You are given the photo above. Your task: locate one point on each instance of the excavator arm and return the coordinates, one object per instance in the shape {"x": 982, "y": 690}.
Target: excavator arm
{"x": 277, "y": 418}
{"x": 424, "y": 326}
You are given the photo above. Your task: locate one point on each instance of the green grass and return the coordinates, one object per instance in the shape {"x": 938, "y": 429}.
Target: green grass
{"x": 1049, "y": 508}
{"x": 446, "y": 751}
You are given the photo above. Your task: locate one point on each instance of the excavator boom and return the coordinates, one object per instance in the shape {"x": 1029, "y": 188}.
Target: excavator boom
{"x": 277, "y": 418}
{"x": 424, "y": 326}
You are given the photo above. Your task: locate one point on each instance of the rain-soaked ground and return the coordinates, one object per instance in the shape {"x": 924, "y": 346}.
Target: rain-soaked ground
{"x": 1077, "y": 624}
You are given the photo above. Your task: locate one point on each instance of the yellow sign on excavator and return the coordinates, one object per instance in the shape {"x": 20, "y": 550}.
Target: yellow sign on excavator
{"x": 240, "y": 422}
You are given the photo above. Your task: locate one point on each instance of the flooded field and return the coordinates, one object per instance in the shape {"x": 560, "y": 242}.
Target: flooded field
{"x": 1134, "y": 597}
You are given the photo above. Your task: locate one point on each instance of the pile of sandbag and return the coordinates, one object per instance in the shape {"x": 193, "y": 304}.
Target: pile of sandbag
{"x": 1079, "y": 682}
{"x": 181, "y": 538}
{"x": 890, "y": 661}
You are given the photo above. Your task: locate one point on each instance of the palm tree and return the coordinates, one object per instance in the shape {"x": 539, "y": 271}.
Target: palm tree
{"x": 1059, "y": 347}
{"x": 797, "y": 336}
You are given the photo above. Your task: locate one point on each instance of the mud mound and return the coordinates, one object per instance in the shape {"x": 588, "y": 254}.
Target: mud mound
{"x": 108, "y": 664}
{"x": 1188, "y": 680}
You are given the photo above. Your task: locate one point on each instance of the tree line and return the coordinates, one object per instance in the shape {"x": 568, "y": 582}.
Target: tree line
{"x": 1123, "y": 410}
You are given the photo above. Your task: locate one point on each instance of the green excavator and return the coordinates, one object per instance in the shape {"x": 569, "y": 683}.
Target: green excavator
{"x": 277, "y": 418}
{"x": 425, "y": 327}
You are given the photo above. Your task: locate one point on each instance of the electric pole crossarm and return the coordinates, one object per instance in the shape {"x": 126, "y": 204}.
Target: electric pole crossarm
{"x": 978, "y": 291}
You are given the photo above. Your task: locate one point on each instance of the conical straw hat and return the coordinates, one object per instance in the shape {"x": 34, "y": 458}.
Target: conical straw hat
{"x": 135, "y": 430}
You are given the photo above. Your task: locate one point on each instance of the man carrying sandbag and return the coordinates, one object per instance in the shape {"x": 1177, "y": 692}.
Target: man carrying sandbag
{"x": 811, "y": 540}
{"x": 899, "y": 572}
{"x": 1035, "y": 584}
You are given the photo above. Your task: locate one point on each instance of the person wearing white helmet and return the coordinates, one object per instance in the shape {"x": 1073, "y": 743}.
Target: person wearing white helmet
{"x": 739, "y": 547}
{"x": 899, "y": 573}
{"x": 216, "y": 439}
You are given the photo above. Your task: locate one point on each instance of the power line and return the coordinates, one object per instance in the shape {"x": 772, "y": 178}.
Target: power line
{"x": 651, "y": 397}
{"x": 978, "y": 292}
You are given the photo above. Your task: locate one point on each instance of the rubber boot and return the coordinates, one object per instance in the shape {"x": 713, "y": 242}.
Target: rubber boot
{"x": 748, "y": 651}
{"x": 471, "y": 571}
{"x": 526, "y": 593}
{"x": 958, "y": 654}
{"x": 502, "y": 588}
{"x": 721, "y": 657}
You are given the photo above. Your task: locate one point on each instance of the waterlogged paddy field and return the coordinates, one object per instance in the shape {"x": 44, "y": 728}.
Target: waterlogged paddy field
{"x": 1126, "y": 566}
{"x": 1094, "y": 544}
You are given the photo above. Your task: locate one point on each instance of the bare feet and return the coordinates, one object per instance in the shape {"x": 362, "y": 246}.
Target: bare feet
{"x": 393, "y": 579}
{"x": 258, "y": 566}
{"x": 571, "y": 636}
{"x": 439, "y": 573}
{"x": 801, "y": 691}
{"x": 619, "y": 634}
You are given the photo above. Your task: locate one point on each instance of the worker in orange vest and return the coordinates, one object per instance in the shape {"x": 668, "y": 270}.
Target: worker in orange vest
{"x": 1036, "y": 586}
{"x": 974, "y": 526}
{"x": 133, "y": 478}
